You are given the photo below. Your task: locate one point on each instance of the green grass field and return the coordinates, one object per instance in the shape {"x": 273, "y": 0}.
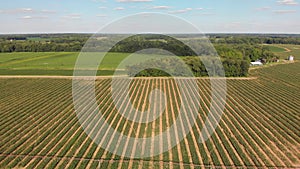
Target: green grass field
{"x": 283, "y": 51}
{"x": 51, "y": 63}
{"x": 276, "y": 49}
{"x": 259, "y": 128}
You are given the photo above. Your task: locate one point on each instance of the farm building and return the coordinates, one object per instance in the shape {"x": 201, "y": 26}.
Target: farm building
{"x": 291, "y": 58}
{"x": 256, "y": 63}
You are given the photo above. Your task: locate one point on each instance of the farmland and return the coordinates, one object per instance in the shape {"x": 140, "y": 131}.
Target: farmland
{"x": 51, "y": 63}
{"x": 259, "y": 127}
{"x": 285, "y": 50}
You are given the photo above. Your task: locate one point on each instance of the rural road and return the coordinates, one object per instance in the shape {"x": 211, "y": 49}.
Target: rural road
{"x": 108, "y": 77}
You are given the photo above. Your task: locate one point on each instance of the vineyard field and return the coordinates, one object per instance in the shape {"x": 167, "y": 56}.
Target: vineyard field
{"x": 259, "y": 127}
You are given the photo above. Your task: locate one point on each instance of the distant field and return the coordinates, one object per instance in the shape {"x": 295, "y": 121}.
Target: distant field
{"x": 259, "y": 128}
{"x": 276, "y": 49}
{"x": 62, "y": 63}
{"x": 283, "y": 51}
{"x": 51, "y": 63}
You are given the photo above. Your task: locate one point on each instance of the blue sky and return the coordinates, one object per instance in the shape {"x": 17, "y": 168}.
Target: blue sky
{"x": 225, "y": 16}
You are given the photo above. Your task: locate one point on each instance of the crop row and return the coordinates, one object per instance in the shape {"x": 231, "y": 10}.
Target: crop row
{"x": 40, "y": 120}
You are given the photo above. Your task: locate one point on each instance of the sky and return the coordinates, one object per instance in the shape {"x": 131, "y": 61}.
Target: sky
{"x": 210, "y": 16}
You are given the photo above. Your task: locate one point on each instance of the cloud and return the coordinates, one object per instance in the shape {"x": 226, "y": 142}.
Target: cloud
{"x": 27, "y": 11}
{"x": 72, "y": 16}
{"x": 26, "y": 17}
{"x": 263, "y": 8}
{"x": 33, "y": 17}
{"x": 101, "y": 15}
{"x": 284, "y": 11}
{"x": 181, "y": 11}
{"x": 160, "y": 7}
{"x": 199, "y": 8}
{"x": 134, "y": 0}
{"x": 48, "y": 11}
{"x": 287, "y": 2}
{"x": 102, "y": 7}
{"x": 119, "y": 8}
{"x": 17, "y": 11}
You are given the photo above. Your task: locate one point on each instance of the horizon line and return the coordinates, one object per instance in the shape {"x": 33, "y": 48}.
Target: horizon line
{"x": 266, "y": 33}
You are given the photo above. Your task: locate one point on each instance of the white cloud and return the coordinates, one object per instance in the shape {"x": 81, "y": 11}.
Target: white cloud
{"x": 26, "y": 11}
{"x": 263, "y": 8}
{"x": 181, "y": 11}
{"x": 72, "y": 16}
{"x": 48, "y": 11}
{"x": 34, "y": 17}
{"x": 119, "y": 8}
{"x": 284, "y": 11}
{"x": 199, "y": 8}
{"x": 26, "y": 17}
{"x": 102, "y": 7}
{"x": 287, "y": 2}
{"x": 134, "y": 0}
{"x": 160, "y": 7}
{"x": 101, "y": 15}
{"x": 18, "y": 11}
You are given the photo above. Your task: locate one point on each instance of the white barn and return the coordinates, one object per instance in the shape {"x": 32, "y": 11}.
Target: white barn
{"x": 256, "y": 63}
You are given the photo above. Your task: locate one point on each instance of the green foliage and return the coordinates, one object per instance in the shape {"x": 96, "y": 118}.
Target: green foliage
{"x": 253, "y": 39}
{"x": 139, "y": 42}
{"x": 74, "y": 42}
{"x": 231, "y": 67}
{"x": 42, "y": 43}
{"x": 156, "y": 67}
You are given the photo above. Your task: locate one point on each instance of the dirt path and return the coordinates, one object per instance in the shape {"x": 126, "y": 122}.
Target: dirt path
{"x": 287, "y": 49}
{"x": 109, "y": 77}
{"x": 269, "y": 65}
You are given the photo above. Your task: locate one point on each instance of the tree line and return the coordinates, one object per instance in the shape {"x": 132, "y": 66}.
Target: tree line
{"x": 254, "y": 39}
{"x": 75, "y": 42}
{"x": 172, "y": 67}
